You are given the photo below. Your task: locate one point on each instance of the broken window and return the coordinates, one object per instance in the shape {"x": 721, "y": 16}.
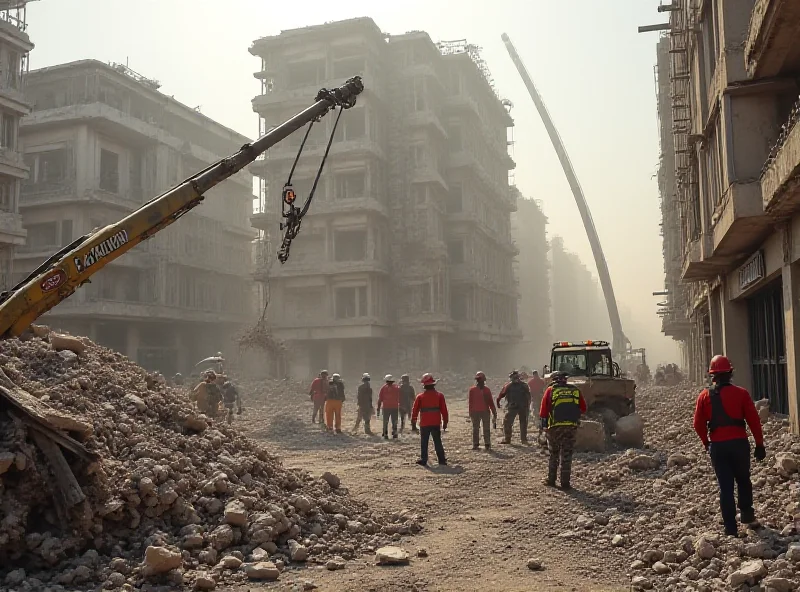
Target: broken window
{"x": 455, "y": 250}
{"x": 109, "y": 171}
{"x": 345, "y": 303}
{"x": 306, "y": 73}
{"x": 42, "y": 235}
{"x": 455, "y": 199}
{"x": 13, "y": 76}
{"x": 52, "y": 166}
{"x": 350, "y": 185}
{"x": 350, "y": 245}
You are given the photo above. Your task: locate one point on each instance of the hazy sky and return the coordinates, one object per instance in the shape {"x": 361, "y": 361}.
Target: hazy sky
{"x": 594, "y": 71}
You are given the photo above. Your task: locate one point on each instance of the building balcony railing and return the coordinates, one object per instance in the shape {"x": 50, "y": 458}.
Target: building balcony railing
{"x": 426, "y": 118}
{"x": 88, "y": 305}
{"x": 270, "y": 216}
{"x": 11, "y": 229}
{"x": 287, "y": 152}
{"x": 771, "y": 38}
{"x": 487, "y": 331}
{"x": 296, "y": 266}
{"x": 779, "y": 188}
{"x": 280, "y": 96}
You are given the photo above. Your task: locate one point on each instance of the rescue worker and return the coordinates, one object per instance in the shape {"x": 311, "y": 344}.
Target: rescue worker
{"x": 721, "y": 415}
{"x": 333, "y": 404}
{"x": 317, "y": 393}
{"x": 480, "y": 405}
{"x": 519, "y": 401}
{"x": 389, "y": 399}
{"x": 560, "y": 413}
{"x": 536, "y": 387}
{"x": 231, "y": 399}
{"x": 407, "y": 396}
{"x": 178, "y": 379}
{"x": 431, "y": 410}
{"x": 206, "y": 395}
{"x": 364, "y": 402}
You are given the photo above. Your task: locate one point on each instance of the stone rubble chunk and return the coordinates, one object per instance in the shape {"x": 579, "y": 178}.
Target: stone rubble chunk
{"x": 391, "y": 556}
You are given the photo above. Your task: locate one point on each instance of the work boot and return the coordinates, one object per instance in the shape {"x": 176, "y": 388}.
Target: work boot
{"x": 505, "y": 441}
{"x": 549, "y": 483}
{"x": 394, "y": 436}
{"x": 748, "y": 518}
{"x": 525, "y": 441}
{"x": 476, "y": 447}
{"x": 443, "y": 463}
{"x": 566, "y": 486}
{"x": 338, "y": 431}
{"x": 386, "y": 436}
{"x": 422, "y": 463}
{"x": 488, "y": 447}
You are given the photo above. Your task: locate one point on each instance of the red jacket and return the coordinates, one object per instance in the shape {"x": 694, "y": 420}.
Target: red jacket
{"x": 547, "y": 403}
{"x": 319, "y": 389}
{"x": 536, "y": 385}
{"x": 431, "y": 409}
{"x": 480, "y": 400}
{"x": 738, "y": 405}
{"x": 389, "y": 397}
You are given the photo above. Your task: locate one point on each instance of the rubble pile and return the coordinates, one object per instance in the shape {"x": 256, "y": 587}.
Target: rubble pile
{"x": 659, "y": 505}
{"x": 172, "y": 497}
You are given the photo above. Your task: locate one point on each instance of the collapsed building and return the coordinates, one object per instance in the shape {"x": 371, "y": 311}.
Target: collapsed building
{"x": 101, "y": 141}
{"x": 733, "y": 209}
{"x": 15, "y": 45}
{"x": 406, "y": 257}
{"x": 578, "y": 308}
{"x": 529, "y": 228}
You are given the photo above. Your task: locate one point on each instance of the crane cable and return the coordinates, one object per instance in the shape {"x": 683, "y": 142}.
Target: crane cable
{"x": 293, "y": 216}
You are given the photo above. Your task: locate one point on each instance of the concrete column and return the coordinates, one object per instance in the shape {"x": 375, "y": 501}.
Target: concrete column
{"x": 84, "y": 156}
{"x": 715, "y": 300}
{"x": 791, "y": 311}
{"x": 434, "y": 352}
{"x": 335, "y": 357}
{"x": 132, "y": 342}
{"x": 736, "y": 342}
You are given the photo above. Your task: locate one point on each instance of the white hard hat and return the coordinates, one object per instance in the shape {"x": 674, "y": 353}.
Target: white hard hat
{"x": 335, "y": 376}
{"x": 365, "y": 376}
{"x": 389, "y": 378}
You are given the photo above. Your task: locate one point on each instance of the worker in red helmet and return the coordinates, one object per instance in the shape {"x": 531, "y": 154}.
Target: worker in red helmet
{"x": 721, "y": 415}
{"x": 480, "y": 405}
{"x": 431, "y": 410}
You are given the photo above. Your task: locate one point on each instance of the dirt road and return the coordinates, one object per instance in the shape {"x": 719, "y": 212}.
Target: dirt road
{"x": 487, "y": 513}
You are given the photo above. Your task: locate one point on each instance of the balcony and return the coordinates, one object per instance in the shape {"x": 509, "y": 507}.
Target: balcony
{"x": 739, "y": 223}
{"x": 286, "y": 152}
{"x": 299, "y": 268}
{"x": 426, "y": 118}
{"x": 698, "y": 263}
{"x": 303, "y": 96}
{"x": 12, "y": 164}
{"x": 426, "y": 172}
{"x": 11, "y": 230}
{"x": 86, "y": 306}
{"x": 426, "y": 322}
{"x": 322, "y": 327}
{"x": 487, "y": 332}
{"x": 779, "y": 179}
{"x": 771, "y": 48}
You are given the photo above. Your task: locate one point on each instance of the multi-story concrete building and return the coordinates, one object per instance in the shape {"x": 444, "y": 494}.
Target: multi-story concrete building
{"x": 14, "y": 48}
{"x": 734, "y": 105}
{"x": 406, "y": 256}
{"x": 100, "y": 142}
{"x": 529, "y": 228}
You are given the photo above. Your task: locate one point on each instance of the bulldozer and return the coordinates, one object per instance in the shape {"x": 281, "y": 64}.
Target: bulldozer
{"x": 591, "y": 368}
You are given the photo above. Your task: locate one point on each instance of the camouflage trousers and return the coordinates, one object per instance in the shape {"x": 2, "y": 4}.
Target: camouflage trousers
{"x": 561, "y": 443}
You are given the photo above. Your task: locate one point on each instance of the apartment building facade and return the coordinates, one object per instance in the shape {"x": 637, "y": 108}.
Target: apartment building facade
{"x": 100, "y": 142}
{"x": 735, "y": 102}
{"x": 406, "y": 256}
{"x": 529, "y": 229}
{"x": 15, "y": 46}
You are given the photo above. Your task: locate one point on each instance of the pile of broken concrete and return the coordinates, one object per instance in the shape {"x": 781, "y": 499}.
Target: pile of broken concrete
{"x": 150, "y": 493}
{"x": 659, "y": 505}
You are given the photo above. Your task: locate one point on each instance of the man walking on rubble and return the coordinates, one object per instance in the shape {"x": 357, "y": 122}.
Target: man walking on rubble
{"x": 721, "y": 415}
{"x": 364, "y": 402}
{"x": 389, "y": 400}
{"x": 333, "y": 404}
{"x": 560, "y": 414}
{"x": 318, "y": 393}
{"x": 431, "y": 409}
{"x": 206, "y": 395}
{"x": 407, "y": 396}
{"x": 480, "y": 405}
{"x": 536, "y": 387}
{"x": 231, "y": 399}
{"x": 519, "y": 400}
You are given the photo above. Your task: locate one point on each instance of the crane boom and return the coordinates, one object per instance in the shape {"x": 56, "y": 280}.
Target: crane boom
{"x": 619, "y": 341}
{"x": 59, "y": 276}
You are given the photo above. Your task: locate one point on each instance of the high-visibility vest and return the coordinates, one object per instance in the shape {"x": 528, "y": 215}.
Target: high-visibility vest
{"x": 565, "y": 406}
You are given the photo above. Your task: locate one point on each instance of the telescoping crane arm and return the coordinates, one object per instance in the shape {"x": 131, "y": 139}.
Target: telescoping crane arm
{"x": 620, "y": 343}
{"x": 58, "y": 277}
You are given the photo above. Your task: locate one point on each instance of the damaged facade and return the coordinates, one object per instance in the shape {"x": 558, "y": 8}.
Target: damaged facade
{"x": 15, "y": 46}
{"x": 100, "y": 142}
{"x": 529, "y": 228}
{"x": 731, "y": 223}
{"x": 407, "y": 256}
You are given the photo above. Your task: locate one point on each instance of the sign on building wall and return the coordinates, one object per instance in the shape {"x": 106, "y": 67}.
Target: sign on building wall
{"x": 753, "y": 271}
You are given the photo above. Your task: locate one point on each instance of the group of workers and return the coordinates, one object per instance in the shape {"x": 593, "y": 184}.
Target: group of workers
{"x": 559, "y": 406}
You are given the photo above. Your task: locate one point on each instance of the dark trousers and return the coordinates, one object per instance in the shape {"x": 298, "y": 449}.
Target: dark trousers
{"x": 319, "y": 406}
{"x": 561, "y": 443}
{"x": 387, "y": 415}
{"x": 508, "y": 423}
{"x": 425, "y": 434}
{"x": 403, "y": 414}
{"x": 731, "y": 461}
{"x": 477, "y": 419}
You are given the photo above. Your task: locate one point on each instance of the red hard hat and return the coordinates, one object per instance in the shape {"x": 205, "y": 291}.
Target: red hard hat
{"x": 428, "y": 379}
{"x": 719, "y": 364}
{"x": 480, "y": 376}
